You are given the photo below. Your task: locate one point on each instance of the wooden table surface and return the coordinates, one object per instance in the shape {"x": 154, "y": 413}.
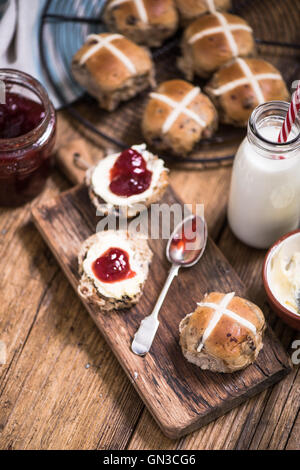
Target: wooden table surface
{"x": 62, "y": 388}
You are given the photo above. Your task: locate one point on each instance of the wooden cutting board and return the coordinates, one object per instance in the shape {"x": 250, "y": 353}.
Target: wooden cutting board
{"x": 180, "y": 396}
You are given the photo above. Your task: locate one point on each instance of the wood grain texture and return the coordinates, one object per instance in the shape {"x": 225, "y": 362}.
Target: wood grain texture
{"x": 279, "y": 408}
{"x": 45, "y": 385}
{"x": 37, "y": 296}
{"x": 117, "y": 406}
{"x": 75, "y": 156}
{"x": 179, "y": 395}
{"x": 25, "y": 326}
{"x": 267, "y": 421}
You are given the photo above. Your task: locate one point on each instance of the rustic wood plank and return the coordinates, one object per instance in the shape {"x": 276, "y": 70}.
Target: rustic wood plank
{"x": 20, "y": 327}
{"x": 210, "y": 185}
{"x": 265, "y": 421}
{"x": 22, "y": 267}
{"x": 75, "y": 156}
{"x": 26, "y": 294}
{"x": 180, "y": 396}
{"x": 278, "y": 409}
{"x": 45, "y": 387}
{"x": 66, "y": 369}
{"x": 293, "y": 442}
{"x": 278, "y": 418}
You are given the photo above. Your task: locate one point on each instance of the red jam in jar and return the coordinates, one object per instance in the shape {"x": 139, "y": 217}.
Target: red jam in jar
{"x": 113, "y": 266}
{"x": 129, "y": 175}
{"x": 19, "y": 115}
{"x": 27, "y": 135}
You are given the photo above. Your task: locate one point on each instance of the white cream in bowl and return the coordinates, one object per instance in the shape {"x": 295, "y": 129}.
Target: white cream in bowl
{"x": 283, "y": 273}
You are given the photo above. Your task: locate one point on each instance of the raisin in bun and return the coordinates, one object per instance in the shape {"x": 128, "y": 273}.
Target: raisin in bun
{"x": 223, "y": 334}
{"x": 238, "y": 87}
{"x": 147, "y": 22}
{"x": 190, "y": 10}
{"x": 112, "y": 69}
{"x": 177, "y": 116}
{"x": 120, "y": 294}
{"x": 211, "y": 41}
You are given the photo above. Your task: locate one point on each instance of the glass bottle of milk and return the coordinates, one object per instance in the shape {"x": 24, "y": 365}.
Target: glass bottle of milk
{"x": 264, "y": 201}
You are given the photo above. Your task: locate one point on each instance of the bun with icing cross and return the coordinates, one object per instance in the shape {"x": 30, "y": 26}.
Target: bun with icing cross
{"x": 190, "y": 10}
{"x": 211, "y": 41}
{"x": 112, "y": 69}
{"x": 223, "y": 334}
{"x": 147, "y": 22}
{"x": 113, "y": 266}
{"x": 177, "y": 116}
{"x": 126, "y": 182}
{"x": 238, "y": 87}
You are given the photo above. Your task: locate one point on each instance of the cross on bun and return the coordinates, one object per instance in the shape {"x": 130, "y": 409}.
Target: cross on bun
{"x": 147, "y": 22}
{"x": 211, "y": 41}
{"x": 177, "y": 116}
{"x": 238, "y": 87}
{"x": 223, "y": 334}
{"x": 190, "y": 10}
{"x": 112, "y": 69}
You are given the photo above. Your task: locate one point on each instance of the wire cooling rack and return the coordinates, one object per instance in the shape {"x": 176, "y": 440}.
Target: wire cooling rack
{"x": 67, "y": 23}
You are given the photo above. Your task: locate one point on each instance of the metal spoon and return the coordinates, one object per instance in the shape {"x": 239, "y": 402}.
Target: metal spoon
{"x": 181, "y": 252}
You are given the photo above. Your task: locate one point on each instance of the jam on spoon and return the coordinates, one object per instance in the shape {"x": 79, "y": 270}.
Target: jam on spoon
{"x": 129, "y": 175}
{"x": 113, "y": 266}
{"x": 19, "y": 115}
{"x": 187, "y": 235}
{"x": 180, "y": 255}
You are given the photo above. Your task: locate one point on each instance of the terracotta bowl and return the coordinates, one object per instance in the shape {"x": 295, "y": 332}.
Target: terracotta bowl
{"x": 289, "y": 317}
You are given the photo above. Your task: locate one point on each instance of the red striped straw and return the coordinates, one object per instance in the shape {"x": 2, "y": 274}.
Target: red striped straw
{"x": 291, "y": 116}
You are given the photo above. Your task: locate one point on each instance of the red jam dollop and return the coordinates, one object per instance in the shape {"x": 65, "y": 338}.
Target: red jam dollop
{"x": 129, "y": 175}
{"x": 113, "y": 266}
{"x": 19, "y": 115}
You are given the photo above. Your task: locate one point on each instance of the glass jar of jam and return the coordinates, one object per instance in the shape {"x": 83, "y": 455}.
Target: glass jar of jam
{"x": 27, "y": 135}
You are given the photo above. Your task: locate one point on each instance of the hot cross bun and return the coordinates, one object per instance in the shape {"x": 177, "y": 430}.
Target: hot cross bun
{"x": 177, "y": 116}
{"x": 223, "y": 334}
{"x": 190, "y": 10}
{"x": 211, "y": 41}
{"x": 147, "y": 22}
{"x": 112, "y": 68}
{"x": 238, "y": 87}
